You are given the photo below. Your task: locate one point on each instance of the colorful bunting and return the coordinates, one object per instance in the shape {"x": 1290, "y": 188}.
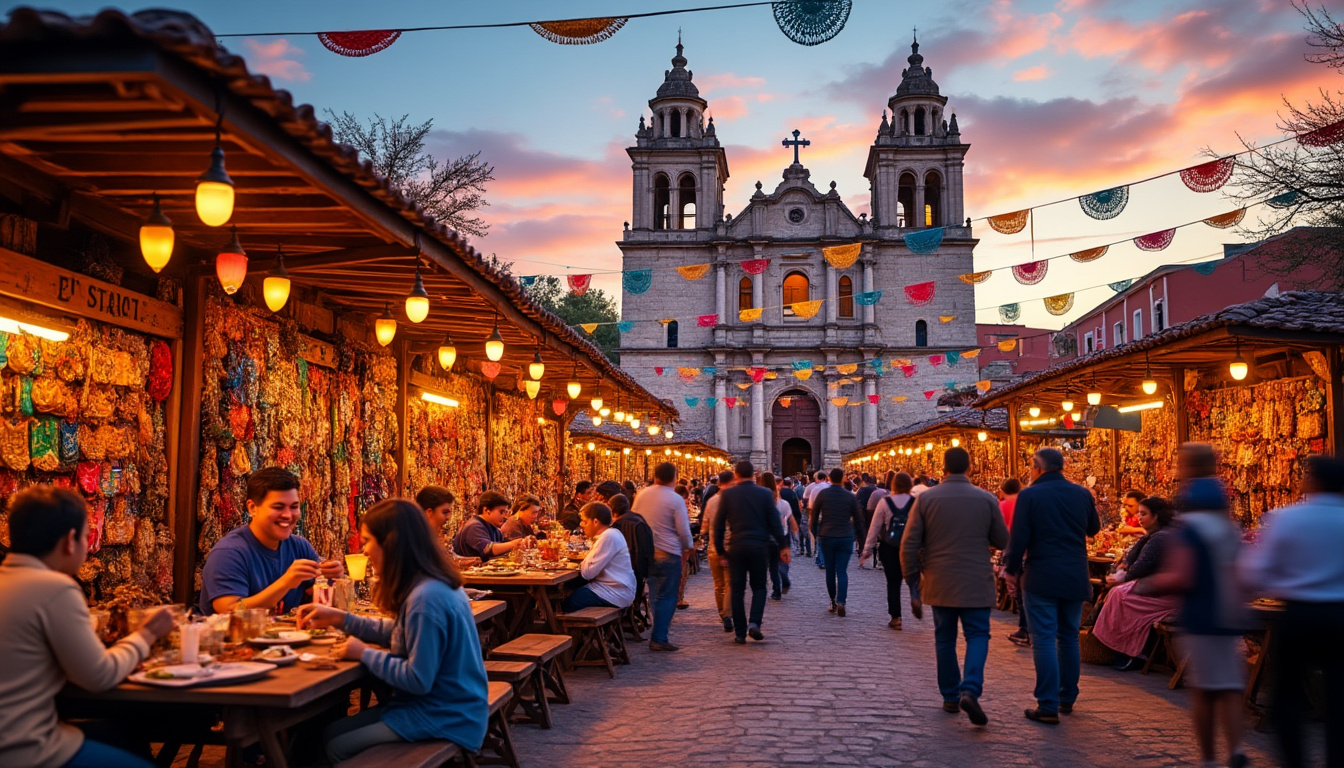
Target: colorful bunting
{"x": 1323, "y": 136}
{"x": 749, "y": 315}
{"x": 1009, "y": 313}
{"x": 692, "y": 401}
{"x": 754, "y": 266}
{"x": 710, "y": 402}
{"x": 975, "y": 278}
{"x": 867, "y": 298}
{"x": 625, "y": 326}
{"x": 688, "y": 374}
{"x": 578, "y": 31}
{"x": 920, "y": 294}
{"x": 1120, "y": 286}
{"x": 578, "y": 284}
{"x": 1285, "y": 200}
{"x": 839, "y": 402}
{"x": 744, "y": 385}
{"x": 847, "y": 368}
{"x": 1059, "y": 305}
{"x": 757, "y": 374}
{"x": 799, "y": 365}
{"x": 1226, "y": 220}
{"x": 1031, "y": 273}
{"x": 527, "y": 281}
{"x": 1010, "y": 223}
{"x": 935, "y": 359}
{"x": 899, "y": 362}
{"x": 807, "y": 309}
{"x": 710, "y": 370}
{"x": 842, "y": 256}
{"x": 908, "y": 370}
{"x": 694, "y": 271}
{"x": 898, "y": 398}
{"x": 952, "y": 357}
{"x": 1206, "y": 267}
{"x": 771, "y": 375}
{"x": 1007, "y": 345}
{"x": 1091, "y": 254}
{"x": 785, "y": 402}
{"x": 589, "y": 328}
{"x": 950, "y": 386}
{"x": 730, "y": 402}
{"x": 667, "y": 320}
{"x": 1206, "y": 177}
{"x": 707, "y": 321}
{"x": 1106, "y": 204}
{"x": 983, "y": 385}
{"x": 658, "y": 370}
{"x": 876, "y": 365}
{"x": 637, "y": 281}
{"x": 364, "y": 42}
{"x": 924, "y": 241}
{"x": 802, "y": 374}
{"x": 946, "y": 318}
{"x": 1155, "y": 241}
{"x": 970, "y": 354}
{"x": 928, "y": 394}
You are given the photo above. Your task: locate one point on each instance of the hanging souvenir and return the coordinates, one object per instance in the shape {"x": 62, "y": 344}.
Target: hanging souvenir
{"x": 4, "y": 350}
{"x": 97, "y": 517}
{"x": 1324, "y": 136}
{"x": 119, "y": 528}
{"x": 925, "y": 241}
{"x": 812, "y": 22}
{"x": 68, "y": 449}
{"x": 1059, "y": 305}
{"x": 707, "y": 321}
{"x": 806, "y": 310}
{"x": 920, "y": 294}
{"x": 160, "y": 371}
{"x": 976, "y": 278}
{"x": 749, "y": 315}
{"x": 693, "y": 272}
{"x": 1226, "y": 220}
{"x": 1031, "y": 273}
{"x": 755, "y": 266}
{"x": 1155, "y": 241}
{"x": 1009, "y": 313}
{"x": 578, "y": 284}
{"x": 1010, "y": 223}
{"x": 44, "y": 438}
{"x": 637, "y": 281}
{"x": 22, "y": 353}
{"x": 842, "y": 256}
{"x": 867, "y": 298}
{"x": 578, "y": 31}
{"x": 14, "y": 449}
{"x": 1091, "y": 254}
{"x": 1106, "y": 204}
{"x": 1207, "y": 177}
{"x": 69, "y": 364}
{"x": 23, "y": 390}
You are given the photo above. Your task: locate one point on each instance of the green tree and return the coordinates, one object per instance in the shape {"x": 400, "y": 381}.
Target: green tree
{"x": 594, "y": 306}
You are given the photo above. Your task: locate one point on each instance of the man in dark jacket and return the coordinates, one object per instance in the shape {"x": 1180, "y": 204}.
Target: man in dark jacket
{"x": 1051, "y": 524}
{"x": 638, "y": 539}
{"x": 836, "y": 523}
{"x": 709, "y": 492}
{"x": 569, "y": 516}
{"x": 747, "y": 511}
{"x": 862, "y": 494}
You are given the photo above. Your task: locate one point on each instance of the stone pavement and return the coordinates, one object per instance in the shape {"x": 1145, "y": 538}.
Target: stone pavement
{"x": 826, "y": 691}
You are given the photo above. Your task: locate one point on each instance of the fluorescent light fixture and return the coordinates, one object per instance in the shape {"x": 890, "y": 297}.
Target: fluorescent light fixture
{"x": 430, "y": 397}
{"x": 1142, "y": 406}
{"x": 9, "y": 325}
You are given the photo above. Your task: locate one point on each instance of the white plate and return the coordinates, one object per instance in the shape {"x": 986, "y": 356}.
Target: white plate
{"x": 220, "y": 674}
{"x": 291, "y": 637}
{"x": 287, "y": 659}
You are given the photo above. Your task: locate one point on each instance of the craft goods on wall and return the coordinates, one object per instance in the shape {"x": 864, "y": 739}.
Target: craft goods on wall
{"x": 446, "y": 446}
{"x": 524, "y": 455}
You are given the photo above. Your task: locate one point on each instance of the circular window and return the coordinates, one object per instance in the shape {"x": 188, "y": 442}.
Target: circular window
{"x": 796, "y": 215}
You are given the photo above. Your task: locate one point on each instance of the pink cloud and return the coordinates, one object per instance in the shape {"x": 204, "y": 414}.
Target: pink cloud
{"x": 726, "y": 109}
{"x": 1038, "y": 72}
{"x": 709, "y": 83}
{"x": 277, "y": 58}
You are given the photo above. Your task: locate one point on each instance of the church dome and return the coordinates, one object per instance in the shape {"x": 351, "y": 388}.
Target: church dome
{"x": 677, "y": 81}
{"x": 917, "y": 80}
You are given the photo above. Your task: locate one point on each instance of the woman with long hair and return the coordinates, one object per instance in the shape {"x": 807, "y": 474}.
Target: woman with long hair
{"x": 434, "y": 659}
{"x": 779, "y": 570}
{"x": 884, "y": 537}
{"x": 1125, "y": 618}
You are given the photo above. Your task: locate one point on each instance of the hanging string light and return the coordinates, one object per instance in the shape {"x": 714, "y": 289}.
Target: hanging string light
{"x": 231, "y": 265}
{"x": 536, "y": 368}
{"x": 956, "y": 442}
{"x": 214, "y": 188}
{"x": 597, "y": 421}
{"x": 634, "y": 424}
{"x": 654, "y": 429}
{"x": 385, "y": 327}
{"x": 668, "y": 434}
{"x": 275, "y": 288}
{"x": 417, "y": 301}
{"x": 156, "y": 238}
{"x": 1067, "y": 404}
{"x": 1093, "y": 396}
{"x": 494, "y": 346}
{"x": 982, "y": 436}
{"x": 533, "y": 387}
{"x": 1238, "y": 368}
{"x": 574, "y": 387}
{"x": 596, "y": 402}
{"x": 605, "y": 412}
{"x": 448, "y": 354}
{"x": 1149, "y": 383}
{"x": 1034, "y": 411}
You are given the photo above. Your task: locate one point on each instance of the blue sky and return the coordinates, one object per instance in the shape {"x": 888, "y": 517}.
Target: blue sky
{"x": 1055, "y": 98}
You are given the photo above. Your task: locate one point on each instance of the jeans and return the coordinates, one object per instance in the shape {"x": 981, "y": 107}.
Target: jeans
{"x": 890, "y": 557}
{"x": 664, "y": 581}
{"x": 1308, "y": 635}
{"x": 718, "y": 569}
{"x": 779, "y": 570}
{"x": 1053, "y": 624}
{"x": 836, "y": 551}
{"x": 952, "y": 682}
{"x": 348, "y": 737}
{"x": 95, "y": 754}
{"x": 804, "y": 536}
{"x": 744, "y": 562}
{"x": 583, "y": 597}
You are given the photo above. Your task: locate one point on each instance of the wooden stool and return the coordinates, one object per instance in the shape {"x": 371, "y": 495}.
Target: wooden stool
{"x": 406, "y": 754}
{"x": 1165, "y": 646}
{"x": 498, "y": 746}
{"x": 597, "y": 636}
{"x": 522, "y": 675}
{"x": 545, "y": 651}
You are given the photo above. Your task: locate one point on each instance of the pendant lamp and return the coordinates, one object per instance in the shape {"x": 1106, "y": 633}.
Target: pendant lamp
{"x": 231, "y": 265}
{"x": 385, "y": 327}
{"x": 533, "y": 387}
{"x": 1093, "y": 396}
{"x": 536, "y": 368}
{"x": 494, "y": 346}
{"x": 596, "y": 402}
{"x": 1238, "y": 368}
{"x": 417, "y": 301}
{"x": 1149, "y": 383}
{"x": 275, "y": 288}
{"x": 156, "y": 238}
{"x": 214, "y": 188}
{"x": 573, "y": 388}
{"x": 448, "y": 353}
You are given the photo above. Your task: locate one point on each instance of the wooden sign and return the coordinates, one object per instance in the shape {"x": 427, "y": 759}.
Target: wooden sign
{"x": 50, "y": 286}
{"x": 317, "y": 352}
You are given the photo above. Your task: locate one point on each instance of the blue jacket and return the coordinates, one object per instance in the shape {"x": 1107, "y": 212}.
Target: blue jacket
{"x": 1051, "y": 524}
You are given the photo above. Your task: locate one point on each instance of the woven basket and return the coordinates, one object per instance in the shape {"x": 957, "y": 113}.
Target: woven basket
{"x": 1093, "y": 651}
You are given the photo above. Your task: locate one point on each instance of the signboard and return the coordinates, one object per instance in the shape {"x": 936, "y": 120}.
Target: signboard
{"x": 317, "y": 352}
{"x": 41, "y": 283}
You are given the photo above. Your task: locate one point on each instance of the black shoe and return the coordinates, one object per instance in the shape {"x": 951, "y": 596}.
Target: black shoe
{"x": 727, "y": 625}
{"x": 654, "y": 645}
{"x": 951, "y": 707}
{"x": 775, "y": 596}
{"x": 683, "y": 606}
{"x": 786, "y": 588}
{"x": 840, "y": 610}
{"x": 1065, "y": 709}
{"x": 971, "y": 707}
{"x": 740, "y": 640}
{"x": 1020, "y": 640}
{"x": 1039, "y": 715}
{"x": 755, "y": 632}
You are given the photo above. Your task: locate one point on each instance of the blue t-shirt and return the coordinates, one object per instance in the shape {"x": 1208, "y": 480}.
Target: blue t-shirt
{"x": 241, "y": 566}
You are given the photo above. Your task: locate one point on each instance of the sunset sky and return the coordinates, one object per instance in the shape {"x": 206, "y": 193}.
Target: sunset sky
{"x": 1056, "y": 99}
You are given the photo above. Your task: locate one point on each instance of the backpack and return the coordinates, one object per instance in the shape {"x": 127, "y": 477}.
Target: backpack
{"x": 895, "y": 527}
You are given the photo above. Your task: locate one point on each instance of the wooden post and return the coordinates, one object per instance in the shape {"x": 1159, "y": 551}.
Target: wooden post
{"x": 1178, "y": 402}
{"x": 1115, "y": 462}
{"x": 1013, "y": 455}
{"x": 1334, "y": 399}
{"x": 184, "y": 438}
{"x": 489, "y": 434}
{"x": 403, "y": 353}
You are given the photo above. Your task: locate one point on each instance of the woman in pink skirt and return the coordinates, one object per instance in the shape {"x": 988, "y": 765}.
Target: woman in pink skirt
{"x": 1126, "y": 618}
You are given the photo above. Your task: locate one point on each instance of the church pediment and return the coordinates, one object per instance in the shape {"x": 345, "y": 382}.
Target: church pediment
{"x": 795, "y": 209}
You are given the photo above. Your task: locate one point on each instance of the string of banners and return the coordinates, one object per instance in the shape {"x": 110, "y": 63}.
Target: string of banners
{"x": 806, "y": 22}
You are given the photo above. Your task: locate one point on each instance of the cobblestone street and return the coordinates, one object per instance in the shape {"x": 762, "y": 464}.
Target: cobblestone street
{"x": 822, "y": 690}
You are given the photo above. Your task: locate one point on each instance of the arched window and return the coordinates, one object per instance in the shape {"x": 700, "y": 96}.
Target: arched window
{"x": 905, "y": 123}
{"x": 933, "y": 200}
{"x": 921, "y": 333}
{"x": 686, "y": 186}
{"x": 676, "y": 122}
{"x": 919, "y": 121}
{"x": 905, "y": 198}
{"x": 796, "y": 289}
{"x": 745, "y": 299}
{"x": 661, "y": 200}
{"x": 846, "y": 296}
{"x": 672, "y": 334}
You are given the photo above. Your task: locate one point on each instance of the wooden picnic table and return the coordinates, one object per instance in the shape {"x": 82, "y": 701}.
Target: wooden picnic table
{"x": 259, "y": 711}
{"x": 527, "y": 592}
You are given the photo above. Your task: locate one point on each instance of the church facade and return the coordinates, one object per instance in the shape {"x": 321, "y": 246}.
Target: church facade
{"x": 678, "y": 219}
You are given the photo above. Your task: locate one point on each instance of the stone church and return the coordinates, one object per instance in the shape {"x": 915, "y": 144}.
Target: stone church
{"x": 914, "y": 170}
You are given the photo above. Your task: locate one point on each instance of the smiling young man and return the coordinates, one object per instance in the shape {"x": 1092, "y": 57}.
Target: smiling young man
{"x": 263, "y": 564}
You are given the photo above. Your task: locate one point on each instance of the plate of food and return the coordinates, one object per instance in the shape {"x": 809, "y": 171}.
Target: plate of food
{"x": 322, "y": 636}
{"x": 281, "y": 637}
{"x": 279, "y": 655}
{"x": 188, "y": 675}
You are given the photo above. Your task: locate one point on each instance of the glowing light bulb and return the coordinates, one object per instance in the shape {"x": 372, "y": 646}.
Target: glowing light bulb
{"x": 385, "y": 327}
{"x": 596, "y": 402}
{"x": 592, "y": 447}
{"x": 275, "y": 288}
{"x": 654, "y": 429}
{"x": 1066, "y": 406}
{"x": 982, "y": 436}
{"x": 597, "y": 421}
{"x": 231, "y": 265}
{"x": 532, "y": 387}
{"x": 956, "y": 443}
{"x": 668, "y": 434}
{"x": 573, "y": 388}
{"x": 605, "y": 412}
{"x": 536, "y": 368}
{"x": 417, "y": 301}
{"x": 1094, "y": 398}
{"x": 494, "y": 346}
{"x": 1149, "y": 386}
{"x": 156, "y": 238}
{"x": 214, "y": 191}
{"x": 1034, "y": 411}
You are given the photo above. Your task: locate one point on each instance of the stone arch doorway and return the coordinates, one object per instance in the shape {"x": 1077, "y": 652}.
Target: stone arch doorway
{"x": 795, "y": 432}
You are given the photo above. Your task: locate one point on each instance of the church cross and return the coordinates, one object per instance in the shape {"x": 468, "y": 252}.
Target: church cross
{"x": 796, "y": 143}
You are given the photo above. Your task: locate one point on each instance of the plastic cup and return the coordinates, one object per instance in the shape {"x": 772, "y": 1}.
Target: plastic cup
{"x": 355, "y": 565}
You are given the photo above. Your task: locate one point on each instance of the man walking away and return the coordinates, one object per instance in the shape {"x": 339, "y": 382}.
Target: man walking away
{"x": 1051, "y": 523}
{"x": 1298, "y": 559}
{"x": 665, "y": 512}
{"x": 862, "y": 494}
{"x": 819, "y": 484}
{"x": 748, "y": 512}
{"x": 945, "y": 558}
{"x": 836, "y": 522}
{"x": 718, "y": 565}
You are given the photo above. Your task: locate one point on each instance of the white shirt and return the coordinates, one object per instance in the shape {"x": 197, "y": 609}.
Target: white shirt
{"x": 608, "y": 569}
{"x": 813, "y": 490}
{"x": 785, "y": 514}
{"x": 918, "y": 489}
{"x": 1299, "y": 554}
{"x": 665, "y": 512}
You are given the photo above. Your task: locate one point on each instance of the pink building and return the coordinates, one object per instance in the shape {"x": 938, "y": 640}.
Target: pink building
{"x": 1030, "y": 353}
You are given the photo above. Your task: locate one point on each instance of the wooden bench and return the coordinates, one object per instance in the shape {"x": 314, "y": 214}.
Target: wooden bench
{"x": 598, "y": 640}
{"x": 498, "y": 746}
{"x": 546, "y": 651}
{"x": 1165, "y": 646}
{"x": 522, "y": 677}
{"x": 407, "y": 754}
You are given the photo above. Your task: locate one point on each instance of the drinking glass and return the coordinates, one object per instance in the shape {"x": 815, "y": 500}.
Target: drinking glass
{"x": 356, "y": 565}
{"x": 255, "y": 621}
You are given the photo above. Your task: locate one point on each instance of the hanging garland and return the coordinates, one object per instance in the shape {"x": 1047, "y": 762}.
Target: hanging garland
{"x": 868, "y": 298}
{"x": 694, "y": 271}
{"x": 707, "y": 321}
{"x": 925, "y": 241}
{"x": 749, "y": 315}
{"x": 1209, "y": 176}
{"x": 1206, "y": 268}
{"x": 578, "y": 31}
{"x": 1091, "y": 254}
{"x": 1009, "y": 313}
{"x": 1323, "y": 136}
{"x": 812, "y": 22}
{"x": 976, "y": 278}
{"x": 1106, "y": 204}
{"x": 1010, "y": 223}
{"x": 578, "y": 284}
{"x": 1155, "y": 241}
{"x": 1120, "y": 286}
{"x": 359, "y": 43}
{"x": 1226, "y": 220}
{"x": 1007, "y": 345}
{"x": 1059, "y": 305}
{"x": 1031, "y": 273}
{"x": 754, "y": 266}
{"x": 637, "y": 281}
{"x": 807, "y": 309}
{"x": 842, "y": 256}
{"x": 920, "y": 294}
{"x": 1286, "y": 200}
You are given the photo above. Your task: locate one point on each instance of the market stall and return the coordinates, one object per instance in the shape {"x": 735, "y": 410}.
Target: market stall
{"x": 616, "y": 451}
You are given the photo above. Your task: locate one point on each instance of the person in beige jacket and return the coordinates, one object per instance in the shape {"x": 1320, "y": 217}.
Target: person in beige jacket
{"x": 945, "y": 559}
{"x": 49, "y": 640}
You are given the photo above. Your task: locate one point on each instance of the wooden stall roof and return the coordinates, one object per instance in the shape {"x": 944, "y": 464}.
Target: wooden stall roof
{"x": 102, "y": 112}
{"x": 956, "y": 420}
{"x": 582, "y": 430}
{"x": 1266, "y": 330}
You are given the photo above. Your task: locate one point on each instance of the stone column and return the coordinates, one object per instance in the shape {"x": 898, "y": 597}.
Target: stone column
{"x": 758, "y": 453}
{"x": 831, "y": 451}
{"x": 868, "y": 311}
{"x": 770, "y": 458}
{"x": 721, "y": 412}
{"x": 869, "y": 410}
{"x": 832, "y": 288}
{"x": 720, "y": 290}
{"x": 919, "y": 203}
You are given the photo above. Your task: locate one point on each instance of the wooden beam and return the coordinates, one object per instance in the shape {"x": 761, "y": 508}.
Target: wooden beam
{"x": 403, "y": 413}
{"x": 338, "y": 257}
{"x": 184, "y": 460}
{"x": 1014, "y": 438}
